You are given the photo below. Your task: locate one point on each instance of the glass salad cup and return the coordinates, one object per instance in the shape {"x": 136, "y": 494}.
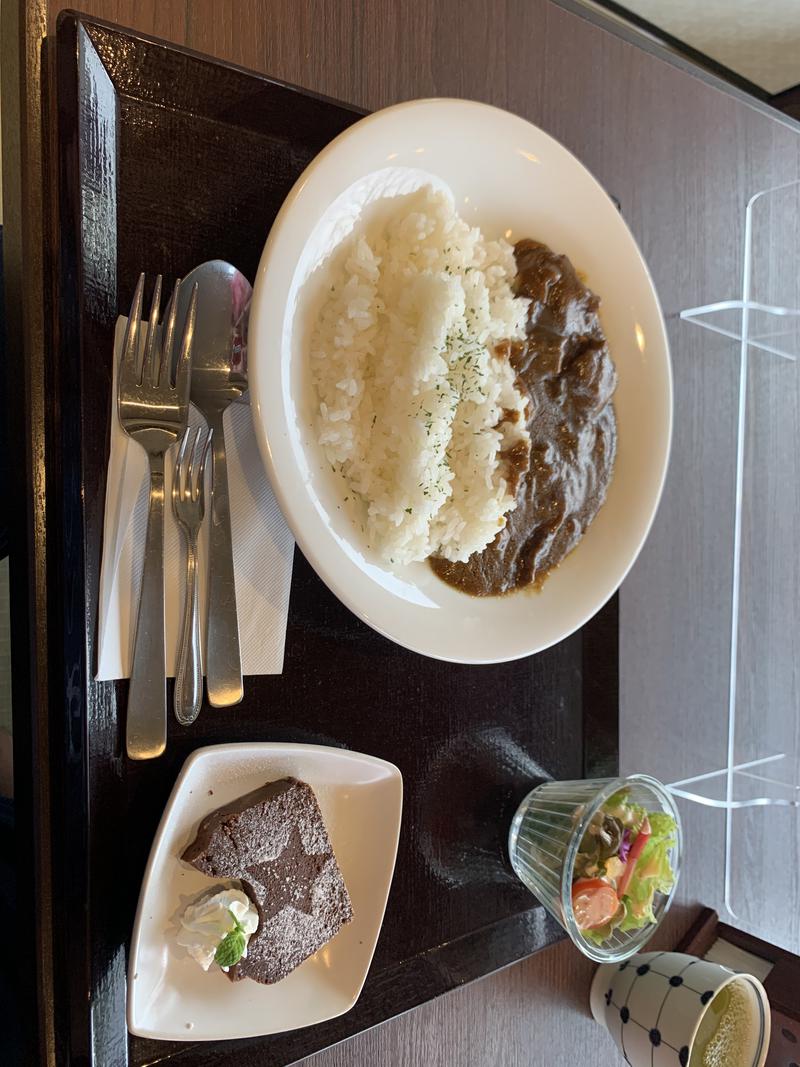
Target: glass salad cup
{"x": 545, "y": 840}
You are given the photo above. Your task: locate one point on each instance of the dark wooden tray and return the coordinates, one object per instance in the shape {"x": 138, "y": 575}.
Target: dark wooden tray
{"x": 165, "y": 159}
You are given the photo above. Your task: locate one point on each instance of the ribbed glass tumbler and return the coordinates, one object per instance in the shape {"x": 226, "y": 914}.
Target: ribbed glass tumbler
{"x": 545, "y": 838}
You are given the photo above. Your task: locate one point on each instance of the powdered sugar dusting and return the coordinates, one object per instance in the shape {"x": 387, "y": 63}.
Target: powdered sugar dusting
{"x": 275, "y": 840}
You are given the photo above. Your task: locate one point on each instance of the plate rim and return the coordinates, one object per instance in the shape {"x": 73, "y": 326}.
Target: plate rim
{"x": 284, "y": 498}
{"x": 394, "y": 775}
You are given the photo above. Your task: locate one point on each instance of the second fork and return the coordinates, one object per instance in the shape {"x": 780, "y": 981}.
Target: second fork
{"x": 188, "y": 504}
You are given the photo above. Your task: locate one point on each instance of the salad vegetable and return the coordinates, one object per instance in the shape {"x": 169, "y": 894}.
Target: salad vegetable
{"x": 623, "y": 861}
{"x": 594, "y": 902}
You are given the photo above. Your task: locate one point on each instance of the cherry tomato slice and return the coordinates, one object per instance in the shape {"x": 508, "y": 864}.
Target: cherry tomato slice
{"x": 594, "y": 902}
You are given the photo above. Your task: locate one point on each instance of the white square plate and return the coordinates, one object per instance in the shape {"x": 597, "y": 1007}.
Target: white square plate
{"x": 169, "y": 996}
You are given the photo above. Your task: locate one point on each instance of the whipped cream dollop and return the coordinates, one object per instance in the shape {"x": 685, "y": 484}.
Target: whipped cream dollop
{"x": 206, "y": 923}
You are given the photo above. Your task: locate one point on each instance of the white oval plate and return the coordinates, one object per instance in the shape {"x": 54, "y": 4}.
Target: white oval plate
{"x": 508, "y": 177}
{"x": 169, "y": 996}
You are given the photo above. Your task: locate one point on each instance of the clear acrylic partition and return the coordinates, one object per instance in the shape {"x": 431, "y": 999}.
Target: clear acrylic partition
{"x": 756, "y": 784}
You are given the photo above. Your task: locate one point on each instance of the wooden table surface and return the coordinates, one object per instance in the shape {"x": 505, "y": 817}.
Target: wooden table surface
{"x": 682, "y": 155}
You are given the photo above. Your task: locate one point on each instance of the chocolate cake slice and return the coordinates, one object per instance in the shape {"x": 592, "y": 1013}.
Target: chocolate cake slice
{"x": 275, "y": 842}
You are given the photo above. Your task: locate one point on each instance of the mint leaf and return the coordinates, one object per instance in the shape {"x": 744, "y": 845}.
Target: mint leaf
{"x": 231, "y": 948}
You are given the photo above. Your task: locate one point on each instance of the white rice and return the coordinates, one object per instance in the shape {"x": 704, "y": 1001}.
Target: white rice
{"x": 412, "y": 401}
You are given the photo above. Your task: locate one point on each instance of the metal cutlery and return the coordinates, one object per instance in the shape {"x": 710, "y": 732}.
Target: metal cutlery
{"x": 152, "y": 404}
{"x": 219, "y": 377}
{"x": 188, "y": 504}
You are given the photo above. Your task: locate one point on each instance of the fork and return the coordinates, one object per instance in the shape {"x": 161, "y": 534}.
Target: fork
{"x": 188, "y": 503}
{"x": 153, "y": 406}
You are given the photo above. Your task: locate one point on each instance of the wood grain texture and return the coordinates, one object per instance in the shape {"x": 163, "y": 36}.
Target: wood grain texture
{"x": 24, "y": 155}
{"x": 682, "y": 156}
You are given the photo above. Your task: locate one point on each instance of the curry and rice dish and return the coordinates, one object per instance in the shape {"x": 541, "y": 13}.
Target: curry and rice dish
{"x": 463, "y": 394}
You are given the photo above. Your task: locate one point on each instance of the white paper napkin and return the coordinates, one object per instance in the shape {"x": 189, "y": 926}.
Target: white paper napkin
{"x": 263, "y": 549}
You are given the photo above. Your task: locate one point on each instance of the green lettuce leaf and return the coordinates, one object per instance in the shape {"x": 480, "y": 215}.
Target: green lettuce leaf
{"x": 652, "y": 873}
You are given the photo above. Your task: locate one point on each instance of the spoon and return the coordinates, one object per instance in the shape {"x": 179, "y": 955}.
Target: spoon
{"x": 219, "y": 377}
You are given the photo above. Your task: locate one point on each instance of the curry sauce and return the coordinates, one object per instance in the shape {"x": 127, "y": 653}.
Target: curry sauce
{"x": 565, "y": 366}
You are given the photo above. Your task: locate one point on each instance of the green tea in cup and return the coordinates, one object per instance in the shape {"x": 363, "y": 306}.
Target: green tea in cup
{"x": 730, "y": 1031}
